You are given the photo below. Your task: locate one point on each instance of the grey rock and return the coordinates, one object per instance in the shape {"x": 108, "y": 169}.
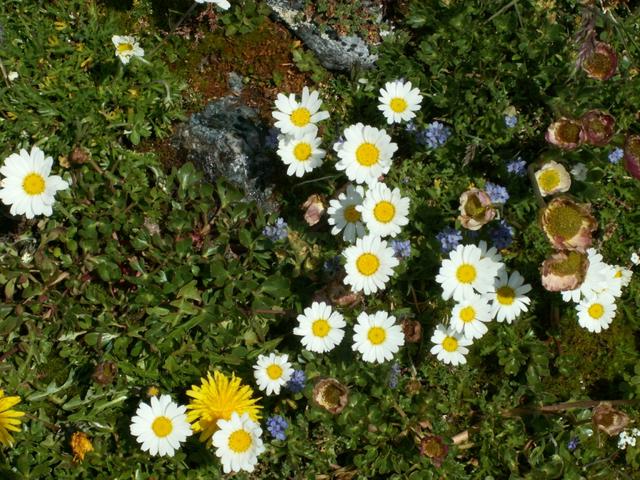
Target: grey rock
{"x": 227, "y": 139}
{"x": 235, "y": 83}
{"x": 335, "y": 52}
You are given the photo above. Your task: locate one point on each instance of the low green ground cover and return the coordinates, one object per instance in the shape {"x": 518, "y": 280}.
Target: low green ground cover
{"x": 147, "y": 277}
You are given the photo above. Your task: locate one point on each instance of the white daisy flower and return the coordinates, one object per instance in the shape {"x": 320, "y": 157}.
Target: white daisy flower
{"x": 470, "y": 315}
{"x": 370, "y": 263}
{"x": 384, "y": 211}
{"x": 238, "y": 443}
{"x": 464, "y": 272}
{"x": 449, "y": 345}
{"x": 365, "y": 154}
{"x": 377, "y": 337}
{"x": 272, "y": 372}
{"x": 295, "y": 118}
{"x": 27, "y": 185}
{"x": 614, "y": 285}
{"x": 320, "y": 327}
{"x": 302, "y": 154}
{"x": 343, "y": 214}
{"x": 508, "y": 299}
{"x": 597, "y": 312}
{"x": 635, "y": 258}
{"x": 595, "y": 280}
{"x": 623, "y": 274}
{"x": 398, "y": 101}
{"x": 223, "y": 4}
{"x": 160, "y": 427}
{"x": 127, "y": 47}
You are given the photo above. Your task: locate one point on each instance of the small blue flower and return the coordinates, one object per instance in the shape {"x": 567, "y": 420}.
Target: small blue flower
{"x": 296, "y": 381}
{"x": 517, "y": 167}
{"x": 435, "y": 135}
{"x": 616, "y": 155}
{"x": 449, "y": 239}
{"x": 501, "y": 235}
{"x": 510, "y": 121}
{"x": 573, "y": 444}
{"x": 497, "y": 193}
{"x": 411, "y": 127}
{"x": 401, "y": 248}
{"x": 276, "y": 426}
{"x": 277, "y": 231}
{"x": 332, "y": 266}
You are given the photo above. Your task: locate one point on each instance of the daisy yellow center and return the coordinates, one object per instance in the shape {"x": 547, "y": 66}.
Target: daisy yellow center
{"x": 367, "y": 264}
{"x": 33, "y": 184}
{"x": 384, "y": 211}
{"x": 274, "y": 371}
{"x": 618, "y": 274}
{"x": 302, "y": 151}
{"x": 468, "y": 314}
{"x": 450, "y": 344}
{"x": 351, "y": 215}
{"x": 321, "y": 328}
{"x": 367, "y": 154}
{"x": 162, "y": 426}
{"x": 398, "y": 104}
{"x": 125, "y": 47}
{"x": 466, "y": 273}
{"x": 376, "y": 335}
{"x": 240, "y": 441}
{"x": 549, "y": 179}
{"x": 505, "y": 295}
{"x": 300, "y": 117}
{"x": 596, "y": 311}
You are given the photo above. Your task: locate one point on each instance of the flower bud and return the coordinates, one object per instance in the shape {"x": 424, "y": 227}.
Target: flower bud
{"x": 476, "y": 209}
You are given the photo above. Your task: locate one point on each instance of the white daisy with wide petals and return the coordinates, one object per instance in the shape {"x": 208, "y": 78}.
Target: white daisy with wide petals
{"x": 320, "y": 327}
{"x": 344, "y": 216}
{"x": 369, "y": 264}
{"x": 399, "y": 101}
{"x": 127, "y": 47}
{"x": 508, "y": 297}
{"x": 384, "y": 211}
{"x": 597, "y": 312}
{"x": 492, "y": 254}
{"x": 238, "y": 443}
{"x": 466, "y": 272}
{"x": 449, "y": 346}
{"x": 595, "y": 280}
{"x": 27, "y": 185}
{"x": 302, "y": 154}
{"x": 365, "y": 154}
{"x": 272, "y": 372}
{"x": 297, "y": 118}
{"x": 470, "y": 315}
{"x": 223, "y": 4}
{"x": 160, "y": 426}
{"x": 377, "y": 337}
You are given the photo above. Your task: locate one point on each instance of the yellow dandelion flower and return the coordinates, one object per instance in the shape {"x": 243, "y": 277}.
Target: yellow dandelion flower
{"x": 216, "y": 399}
{"x": 8, "y": 418}
{"x": 80, "y": 446}
{"x": 153, "y": 391}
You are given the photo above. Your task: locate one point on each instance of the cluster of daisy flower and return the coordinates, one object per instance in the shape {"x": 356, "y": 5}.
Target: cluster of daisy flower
{"x": 222, "y": 411}
{"x": 477, "y": 280}
{"x": 595, "y": 297}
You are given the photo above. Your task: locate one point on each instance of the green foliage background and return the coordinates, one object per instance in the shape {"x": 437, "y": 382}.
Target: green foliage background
{"x": 149, "y": 268}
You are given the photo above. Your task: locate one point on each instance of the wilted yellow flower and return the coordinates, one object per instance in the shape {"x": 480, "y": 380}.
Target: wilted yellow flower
{"x": 568, "y": 225}
{"x": 80, "y": 446}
